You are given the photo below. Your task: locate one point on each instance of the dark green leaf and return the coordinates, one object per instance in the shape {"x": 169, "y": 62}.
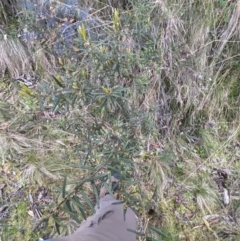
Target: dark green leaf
{"x": 68, "y": 205}
{"x": 118, "y": 203}
{"x": 87, "y": 200}
{"x": 95, "y": 192}
{"x": 71, "y": 214}
{"x": 76, "y": 201}
{"x": 58, "y": 80}
{"x": 57, "y": 223}
{"x": 158, "y": 231}
{"x": 57, "y": 227}
{"x": 138, "y": 233}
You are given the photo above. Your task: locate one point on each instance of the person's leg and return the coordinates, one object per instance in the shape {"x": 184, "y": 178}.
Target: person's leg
{"x": 109, "y": 223}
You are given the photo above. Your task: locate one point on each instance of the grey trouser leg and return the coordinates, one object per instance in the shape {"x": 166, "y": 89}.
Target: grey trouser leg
{"x": 109, "y": 223}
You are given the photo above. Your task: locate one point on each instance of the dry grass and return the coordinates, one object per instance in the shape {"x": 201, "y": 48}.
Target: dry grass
{"x": 14, "y": 58}
{"x": 17, "y": 61}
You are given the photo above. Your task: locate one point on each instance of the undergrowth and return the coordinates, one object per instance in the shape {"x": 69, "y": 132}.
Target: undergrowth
{"x": 155, "y": 99}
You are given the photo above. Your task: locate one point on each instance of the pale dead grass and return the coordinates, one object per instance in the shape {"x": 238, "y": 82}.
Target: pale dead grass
{"x": 17, "y": 60}
{"x": 14, "y": 58}
{"x": 232, "y": 28}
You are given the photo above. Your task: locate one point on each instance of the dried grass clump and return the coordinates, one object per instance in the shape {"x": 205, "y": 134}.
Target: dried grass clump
{"x": 14, "y": 58}
{"x": 18, "y": 60}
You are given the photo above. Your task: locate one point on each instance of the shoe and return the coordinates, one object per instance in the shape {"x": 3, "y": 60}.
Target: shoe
{"x": 115, "y": 178}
